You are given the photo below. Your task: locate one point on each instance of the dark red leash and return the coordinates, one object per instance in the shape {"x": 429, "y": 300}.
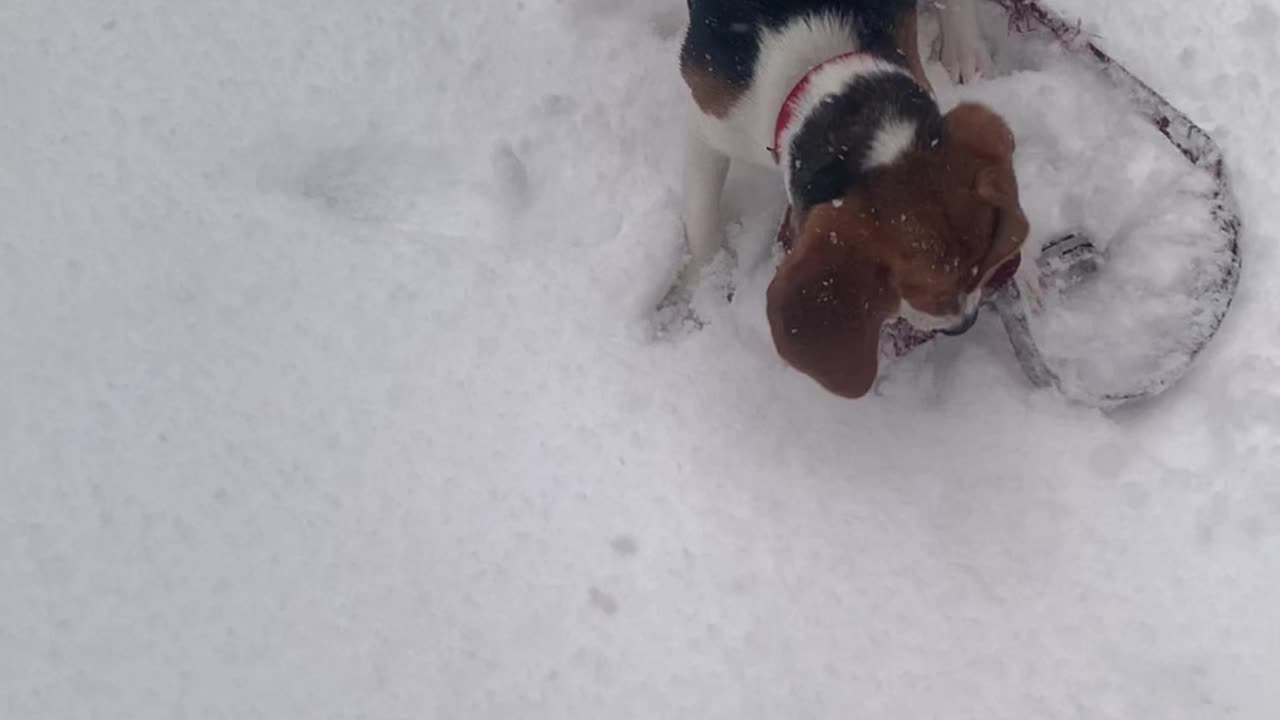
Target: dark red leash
{"x": 1192, "y": 141}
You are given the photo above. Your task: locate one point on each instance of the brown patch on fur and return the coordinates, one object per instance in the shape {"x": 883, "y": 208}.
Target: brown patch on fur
{"x": 826, "y": 307}
{"x": 712, "y": 94}
{"x": 980, "y": 146}
{"x": 930, "y": 230}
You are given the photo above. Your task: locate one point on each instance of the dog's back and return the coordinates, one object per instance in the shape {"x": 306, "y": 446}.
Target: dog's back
{"x": 741, "y": 57}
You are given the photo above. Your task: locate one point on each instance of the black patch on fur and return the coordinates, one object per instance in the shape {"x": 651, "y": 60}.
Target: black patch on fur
{"x": 724, "y": 35}
{"x": 829, "y": 151}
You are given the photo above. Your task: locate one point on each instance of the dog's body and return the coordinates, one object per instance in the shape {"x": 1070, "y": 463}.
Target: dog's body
{"x": 897, "y": 211}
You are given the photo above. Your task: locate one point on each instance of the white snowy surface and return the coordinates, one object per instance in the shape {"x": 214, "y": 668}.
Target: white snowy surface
{"x": 326, "y": 391}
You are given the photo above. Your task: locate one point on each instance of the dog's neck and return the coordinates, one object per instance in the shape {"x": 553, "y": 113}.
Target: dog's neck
{"x": 845, "y": 117}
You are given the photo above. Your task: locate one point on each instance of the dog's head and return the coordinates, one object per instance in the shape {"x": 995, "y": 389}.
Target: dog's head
{"x": 918, "y": 239}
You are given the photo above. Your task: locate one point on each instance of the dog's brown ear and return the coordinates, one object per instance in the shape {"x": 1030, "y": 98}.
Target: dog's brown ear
{"x": 826, "y": 305}
{"x": 980, "y": 129}
{"x": 992, "y": 184}
{"x": 980, "y": 147}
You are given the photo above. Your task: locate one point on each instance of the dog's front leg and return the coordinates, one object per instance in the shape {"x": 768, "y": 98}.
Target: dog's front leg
{"x": 963, "y": 53}
{"x": 705, "y": 170}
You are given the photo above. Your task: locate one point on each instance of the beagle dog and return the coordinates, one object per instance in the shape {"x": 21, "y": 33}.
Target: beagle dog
{"x": 896, "y": 211}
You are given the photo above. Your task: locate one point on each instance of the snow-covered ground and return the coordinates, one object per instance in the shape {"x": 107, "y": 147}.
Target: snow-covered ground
{"x": 327, "y": 390}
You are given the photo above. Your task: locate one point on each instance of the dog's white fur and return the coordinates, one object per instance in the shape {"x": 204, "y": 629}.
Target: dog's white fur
{"x": 747, "y": 132}
{"x": 891, "y": 141}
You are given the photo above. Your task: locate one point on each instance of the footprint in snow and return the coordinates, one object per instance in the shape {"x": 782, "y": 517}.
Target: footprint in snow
{"x": 387, "y": 181}
{"x": 511, "y": 176}
{"x": 371, "y": 182}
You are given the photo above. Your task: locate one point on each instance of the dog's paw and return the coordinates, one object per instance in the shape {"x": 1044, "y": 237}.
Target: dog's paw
{"x": 704, "y": 286}
{"x": 965, "y": 62}
{"x": 960, "y": 47}
{"x": 674, "y": 316}
{"x": 717, "y": 277}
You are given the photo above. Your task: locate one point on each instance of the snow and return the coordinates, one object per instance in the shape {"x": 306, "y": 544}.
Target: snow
{"x": 328, "y": 389}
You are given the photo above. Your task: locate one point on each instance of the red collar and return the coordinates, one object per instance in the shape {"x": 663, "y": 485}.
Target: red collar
{"x": 788, "y": 111}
